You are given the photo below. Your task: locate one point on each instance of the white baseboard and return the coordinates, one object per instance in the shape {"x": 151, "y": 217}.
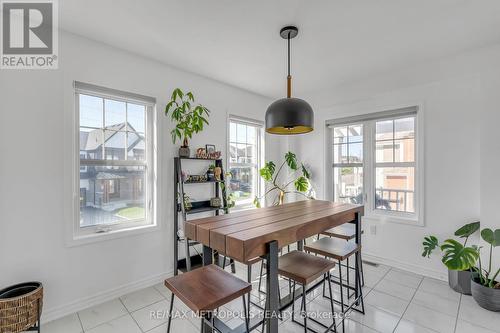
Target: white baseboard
{"x": 440, "y": 275}
{"x": 101, "y": 297}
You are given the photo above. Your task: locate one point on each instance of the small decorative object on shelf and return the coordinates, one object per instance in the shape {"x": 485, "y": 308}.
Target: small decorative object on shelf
{"x": 21, "y": 307}
{"x": 211, "y": 172}
{"x": 184, "y": 176}
{"x": 215, "y": 202}
{"x": 210, "y": 149}
{"x": 217, "y": 173}
{"x": 187, "y": 202}
{"x": 196, "y": 179}
{"x": 203, "y": 154}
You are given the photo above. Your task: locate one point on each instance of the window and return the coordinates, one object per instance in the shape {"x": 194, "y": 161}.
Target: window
{"x": 375, "y": 162}
{"x": 115, "y": 160}
{"x": 245, "y": 158}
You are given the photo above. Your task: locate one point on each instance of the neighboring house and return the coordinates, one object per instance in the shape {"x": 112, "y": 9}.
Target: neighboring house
{"x": 111, "y": 187}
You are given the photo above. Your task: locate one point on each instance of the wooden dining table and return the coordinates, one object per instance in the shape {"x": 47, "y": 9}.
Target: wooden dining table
{"x": 246, "y": 235}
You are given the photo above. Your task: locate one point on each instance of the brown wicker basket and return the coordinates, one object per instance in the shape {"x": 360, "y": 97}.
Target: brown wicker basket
{"x": 20, "y": 307}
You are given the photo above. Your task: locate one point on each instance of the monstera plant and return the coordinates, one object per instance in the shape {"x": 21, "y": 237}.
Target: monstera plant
{"x": 459, "y": 258}
{"x": 278, "y": 186}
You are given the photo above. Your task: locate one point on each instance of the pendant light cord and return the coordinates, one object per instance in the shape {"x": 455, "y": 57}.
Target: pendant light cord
{"x": 289, "y": 77}
{"x": 289, "y": 53}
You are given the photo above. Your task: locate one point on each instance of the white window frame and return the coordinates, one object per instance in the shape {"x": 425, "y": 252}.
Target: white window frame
{"x": 82, "y": 235}
{"x": 248, "y": 204}
{"x": 369, "y": 163}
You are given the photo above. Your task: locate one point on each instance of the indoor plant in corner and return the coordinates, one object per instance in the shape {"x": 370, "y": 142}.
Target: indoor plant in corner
{"x": 189, "y": 119}
{"x": 300, "y": 177}
{"x": 485, "y": 287}
{"x": 460, "y": 259}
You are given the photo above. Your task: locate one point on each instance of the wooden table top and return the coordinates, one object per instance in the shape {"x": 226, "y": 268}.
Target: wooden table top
{"x": 243, "y": 235}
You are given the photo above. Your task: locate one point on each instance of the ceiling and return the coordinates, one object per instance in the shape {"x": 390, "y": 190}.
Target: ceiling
{"x": 237, "y": 42}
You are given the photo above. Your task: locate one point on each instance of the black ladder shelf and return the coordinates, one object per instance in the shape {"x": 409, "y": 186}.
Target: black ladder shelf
{"x": 181, "y": 213}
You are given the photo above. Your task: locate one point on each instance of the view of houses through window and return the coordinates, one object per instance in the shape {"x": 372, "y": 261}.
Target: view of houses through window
{"x": 390, "y": 146}
{"x": 245, "y": 142}
{"x": 113, "y": 165}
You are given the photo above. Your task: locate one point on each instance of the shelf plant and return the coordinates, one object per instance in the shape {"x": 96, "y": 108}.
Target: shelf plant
{"x": 188, "y": 118}
{"x": 298, "y": 182}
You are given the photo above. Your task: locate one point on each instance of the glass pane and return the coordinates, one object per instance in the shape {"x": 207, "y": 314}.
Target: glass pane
{"x": 384, "y": 151}
{"x": 356, "y": 133}
{"x": 340, "y": 153}
{"x": 242, "y": 183}
{"x": 90, "y": 111}
{"x": 251, "y": 134}
{"x": 136, "y": 117}
{"x": 404, "y": 128}
{"x": 340, "y": 134}
{"x": 233, "y": 152}
{"x": 384, "y": 130}
{"x": 91, "y": 143}
{"x": 356, "y": 153}
{"x": 404, "y": 150}
{"x": 241, "y": 151}
{"x": 114, "y": 115}
{"x": 109, "y": 195}
{"x": 395, "y": 189}
{"x": 250, "y": 149}
{"x": 348, "y": 184}
{"x": 232, "y": 132}
{"x": 241, "y": 133}
{"x": 114, "y": 145}
{"x": 136, "y": 146}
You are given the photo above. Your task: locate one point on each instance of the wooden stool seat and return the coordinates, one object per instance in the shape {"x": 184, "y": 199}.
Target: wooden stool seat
{"x": 345, "y": 231}
{"x": 333, "y": 248}
{"x": 303, "y": 267}
{"x": 207, "y": 288}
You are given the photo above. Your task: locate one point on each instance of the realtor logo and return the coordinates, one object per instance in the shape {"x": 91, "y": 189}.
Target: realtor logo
{"x": 29, "y": 35}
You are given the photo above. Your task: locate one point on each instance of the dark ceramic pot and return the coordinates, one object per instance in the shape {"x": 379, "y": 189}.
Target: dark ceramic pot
{"x": 460, "y": 281}
{"x": 487, "y": 298}
{"x": 184, "y": 151}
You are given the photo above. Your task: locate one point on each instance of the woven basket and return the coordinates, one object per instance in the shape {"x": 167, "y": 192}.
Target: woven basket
{"x": 20, "y": 306}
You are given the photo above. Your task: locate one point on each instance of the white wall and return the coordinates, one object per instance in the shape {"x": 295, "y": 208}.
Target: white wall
{"x": 35, "y": 186}
{"x": 461, "y": 149}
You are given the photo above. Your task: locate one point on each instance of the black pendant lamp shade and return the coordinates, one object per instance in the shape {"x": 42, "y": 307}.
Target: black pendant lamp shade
{"x": 289, "y": 115}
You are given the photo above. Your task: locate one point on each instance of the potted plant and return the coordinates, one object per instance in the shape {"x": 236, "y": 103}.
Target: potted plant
{"x": 485, "y": 287}
{"x": 298, "y": 177}
{"x": 459, "y": 258}
{"x": 189, "y": 119}
{"x": 211, "y": 172}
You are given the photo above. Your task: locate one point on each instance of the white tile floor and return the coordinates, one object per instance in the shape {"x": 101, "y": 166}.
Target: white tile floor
{"x": 395, "y": 301}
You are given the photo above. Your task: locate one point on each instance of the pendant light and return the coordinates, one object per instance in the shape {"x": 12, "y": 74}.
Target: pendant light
{"x": 289, "y": 115}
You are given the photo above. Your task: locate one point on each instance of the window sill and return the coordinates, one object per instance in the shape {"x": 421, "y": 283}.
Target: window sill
{"x": 83, "y": 239}
{"x": 386, "y": 218}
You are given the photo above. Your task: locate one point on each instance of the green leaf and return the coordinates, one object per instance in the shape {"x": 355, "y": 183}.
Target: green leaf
{"x": 301, "y": 184}
{"x": 430, "y": 243}
{"x": 267, "y": 171}
{"x": 491, "y": 237}
{"x": 457, "y": 257}
{"x": 291, "y": 160}
{"x": 256, "y": 202}
{"x": 467, "y": 229}
{"x": 190, "y": 96}
{"x": 305, "y": 172}
{"x": 176, "y": 93}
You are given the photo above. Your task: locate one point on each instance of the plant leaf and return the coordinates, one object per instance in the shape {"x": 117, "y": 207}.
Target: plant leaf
{"x": 291, "y": 160}
{"x": 190, "y": 96}
{"x": 467, "y": 229}
{"x": 305, "y": 172}
{"x": 457, "y": 257}
{"x": 430, "y": 243}
{"x": 491, "y": 237}
{"x": 301, "y": 184}
{"x": 267, "y": 171}
{"x": 256, "y": 202}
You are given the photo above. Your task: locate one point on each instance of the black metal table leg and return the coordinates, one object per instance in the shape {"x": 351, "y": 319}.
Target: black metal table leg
{"x": 272, "y": 286}
{"x": 207, "y": 260}
{"x": 358, "y": 262}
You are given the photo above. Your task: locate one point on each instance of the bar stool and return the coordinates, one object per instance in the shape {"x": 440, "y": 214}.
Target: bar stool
{"x": 304, "y": 268}
{"x": 340, "y": 251}
{"x": 205, "y": 289}
{"x": 346, "y": 231}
